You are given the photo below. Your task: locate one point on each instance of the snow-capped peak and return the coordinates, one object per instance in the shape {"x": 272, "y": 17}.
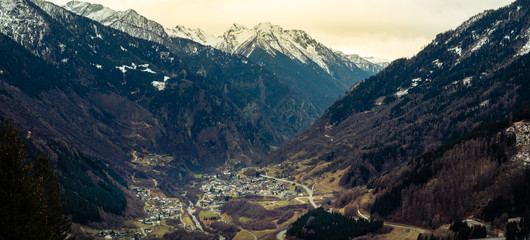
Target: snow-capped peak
{"x": 371, "y": 64}
{"x": 267, "y": 27}
{"x": 273, "y": 39}
{"x": 238, "y": 39}
{"x": 128, "y": 21}
{"x": 377, "y": 60}
{"x": 196, "y": 35}
{"x": 237, "y": 27}
{"x": 96, "y": 12}
{"x": 295, "y": 44}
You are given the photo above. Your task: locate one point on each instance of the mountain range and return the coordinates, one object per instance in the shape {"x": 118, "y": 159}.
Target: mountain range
{"x": 292, "y": 54}
{"x": 303, "y": 63}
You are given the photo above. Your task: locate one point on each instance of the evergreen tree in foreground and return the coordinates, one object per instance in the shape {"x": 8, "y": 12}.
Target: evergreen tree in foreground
{"x": 30, "y": 197}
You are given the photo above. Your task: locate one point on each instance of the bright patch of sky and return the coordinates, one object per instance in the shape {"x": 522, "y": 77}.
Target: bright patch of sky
{"x": 384, "y": 28}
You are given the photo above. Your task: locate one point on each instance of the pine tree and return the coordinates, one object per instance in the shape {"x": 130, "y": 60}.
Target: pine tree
{"x": 52, "y": 222}
{"x": 30, "y": 197}
{"x": 16, "y": 204}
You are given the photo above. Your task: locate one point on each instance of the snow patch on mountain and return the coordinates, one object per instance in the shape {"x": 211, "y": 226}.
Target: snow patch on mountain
{"x": 457, "y": 50}
{"x": 467, "y": 81}
{"x": 96, "y": 12}
{"x": 401, "y": 92}
{"x": 525, "y": 49}
{"x": 480, "y": 43}
{"x": 160, "y": 86}
{"x": 438, "y": 63}
{"x": 404, "y": 91}
{"x": 234, "y": 38}
{"x": 146, "y": 68}
{"x": 273, "y": 39}
{"x": 124, "y": 68}
{"x": 415, "y": 81}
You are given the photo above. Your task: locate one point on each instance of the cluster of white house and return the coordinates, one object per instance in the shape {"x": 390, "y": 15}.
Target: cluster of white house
{"x": 218, "y": 189}
{"x": 157, "y": 208}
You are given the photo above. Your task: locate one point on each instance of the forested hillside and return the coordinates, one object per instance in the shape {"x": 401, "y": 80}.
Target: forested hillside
{"x": 467, "y": 177}
{"x": 464, "y": 78}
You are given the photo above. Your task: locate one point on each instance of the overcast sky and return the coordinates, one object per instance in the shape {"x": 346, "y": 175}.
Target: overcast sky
{"x": 383, "y": 28}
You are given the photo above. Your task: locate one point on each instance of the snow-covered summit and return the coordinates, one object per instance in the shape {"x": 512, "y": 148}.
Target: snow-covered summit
{"x": 238, "y": 39}
{"x": 273, "y": 39}
{"x": 196, "y": 35}
{"x": 383, "y": 62}
{"x": 128, "y": 21}
{"x": 371, "y": 64}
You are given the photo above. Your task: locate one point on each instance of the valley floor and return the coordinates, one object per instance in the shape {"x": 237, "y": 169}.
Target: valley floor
{"x": 164, "y": 214}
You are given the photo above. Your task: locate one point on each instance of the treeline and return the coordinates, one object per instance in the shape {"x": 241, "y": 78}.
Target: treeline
{"x": 320, "y": 224}
{"x": 30, "y": 196}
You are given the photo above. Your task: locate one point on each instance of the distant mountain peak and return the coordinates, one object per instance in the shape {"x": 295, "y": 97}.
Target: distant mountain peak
{"x": 267, "y": 27}
{"x": 128, "y": 21}
{"x": 237, "y": 27}
{"x": 238, "y": 39}
{"x": 196, "y": 35}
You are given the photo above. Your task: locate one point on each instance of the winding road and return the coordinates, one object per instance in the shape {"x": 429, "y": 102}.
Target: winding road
{"x": 367, "y": 217}
{"x": 281, "y": 235}
{"x": 255, "y": 238}
{"x": 309, "y": 191}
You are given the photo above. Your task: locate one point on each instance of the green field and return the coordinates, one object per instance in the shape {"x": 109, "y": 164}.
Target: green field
{"x": 208, "y": 215}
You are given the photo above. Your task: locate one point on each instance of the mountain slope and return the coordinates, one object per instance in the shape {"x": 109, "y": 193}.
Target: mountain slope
{"x": 462, "y": 178}
{"x": 30, "y": 93}
{"x": 464, "y": 78}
